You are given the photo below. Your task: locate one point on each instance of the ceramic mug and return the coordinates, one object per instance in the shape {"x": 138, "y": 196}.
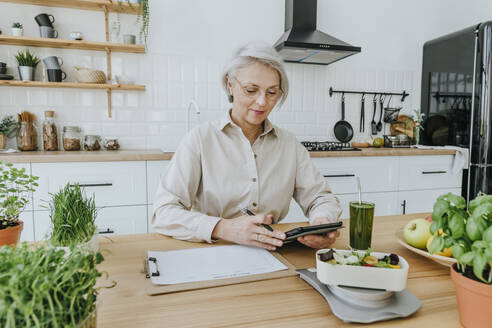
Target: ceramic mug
{"x": 45, "y": 20}
{"x": 53, "y": 62}
{"x": 129, "y": 39}
{"x": 48, "y": 32}
{"x": 56, "y": 75}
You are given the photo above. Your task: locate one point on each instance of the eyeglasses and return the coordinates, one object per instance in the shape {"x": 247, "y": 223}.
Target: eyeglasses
{"x": 253, "y": 92}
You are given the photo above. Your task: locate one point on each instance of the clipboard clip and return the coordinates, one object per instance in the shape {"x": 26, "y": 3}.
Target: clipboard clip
{"x": 148, "y": 273}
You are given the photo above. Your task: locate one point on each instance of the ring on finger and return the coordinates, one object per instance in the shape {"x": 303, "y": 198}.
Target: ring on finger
{"x": 257, "y": 237}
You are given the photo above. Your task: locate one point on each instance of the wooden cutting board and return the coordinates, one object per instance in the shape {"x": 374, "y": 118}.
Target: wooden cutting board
{"x": 403, "y": 125}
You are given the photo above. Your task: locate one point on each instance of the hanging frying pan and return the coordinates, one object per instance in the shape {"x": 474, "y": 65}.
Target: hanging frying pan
{"x": 343, "y": 130}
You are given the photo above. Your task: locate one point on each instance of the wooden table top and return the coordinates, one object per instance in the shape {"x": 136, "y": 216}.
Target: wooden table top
{"x": 283, "y": 302}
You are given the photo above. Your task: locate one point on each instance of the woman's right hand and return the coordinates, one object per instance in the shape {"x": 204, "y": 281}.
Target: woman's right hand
{"x": 247, "y": 230}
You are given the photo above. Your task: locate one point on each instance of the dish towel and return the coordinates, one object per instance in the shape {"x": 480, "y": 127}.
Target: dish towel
{"x": 460, "y": 160}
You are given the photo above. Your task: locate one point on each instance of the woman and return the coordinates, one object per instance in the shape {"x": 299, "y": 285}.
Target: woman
{"x": 243, "y": 160}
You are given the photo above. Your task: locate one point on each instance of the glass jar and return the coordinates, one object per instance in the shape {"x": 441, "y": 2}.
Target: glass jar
{"x": 50, "y": 135}
{"x": 92, "y": 142}
{"x": 71, "y": 138}
{"x": 111, "y": 144}
{"x": 416, "y": 134}
{"x": 27, "y": 136}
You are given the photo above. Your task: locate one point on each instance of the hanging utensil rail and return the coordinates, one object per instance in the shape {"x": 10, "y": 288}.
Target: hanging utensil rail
{"x": 403, "y": 95}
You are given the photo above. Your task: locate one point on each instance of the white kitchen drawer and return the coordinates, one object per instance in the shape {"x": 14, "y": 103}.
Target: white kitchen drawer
{"x": 428, "y": 172}
{"x": 120, "y": 220}
{"x": 112, "y": 183}
{"x": 421, "y": 201}
{"x": 376, "y": 173}
{"x": 155, "y": 171}
{"x": 28, "y": 229}
{"x": 385, "y": 203}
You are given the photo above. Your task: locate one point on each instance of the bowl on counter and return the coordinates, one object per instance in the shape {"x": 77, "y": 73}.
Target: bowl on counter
{"x": 362, "y": 276}
{"x": 124, "y": 79}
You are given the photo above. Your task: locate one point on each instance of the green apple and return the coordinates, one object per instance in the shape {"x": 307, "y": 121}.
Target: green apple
{"x": 416, "y": 233}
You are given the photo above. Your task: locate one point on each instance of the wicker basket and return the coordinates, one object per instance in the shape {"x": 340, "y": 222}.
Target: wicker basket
{"x": 87, "y": 75}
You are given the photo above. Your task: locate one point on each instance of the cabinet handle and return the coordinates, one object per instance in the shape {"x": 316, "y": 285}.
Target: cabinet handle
{"x": 107, "y": 231}
{"x": 434, "y": 172}
{"x": 404, "y": 205}
{"x": 93, "y": 185}
{"x": 338, "y": 175}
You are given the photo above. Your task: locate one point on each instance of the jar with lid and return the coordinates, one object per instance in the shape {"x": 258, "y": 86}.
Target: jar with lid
{"x": 27, "y": 136}
{"x": 71, "y": 138}
{"x": 50, "y": 135}
{"x": 92, "y": 142}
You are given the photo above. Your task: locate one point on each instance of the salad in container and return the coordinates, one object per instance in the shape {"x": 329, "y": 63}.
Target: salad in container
{"x": 363, "y": 269}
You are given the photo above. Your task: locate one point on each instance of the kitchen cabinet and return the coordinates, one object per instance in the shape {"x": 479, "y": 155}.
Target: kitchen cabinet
{"x": 155, "y": 172}
{"x": 419, "y": 201}
{"x": 112, "y": 183}
{"x": 119, "y": 220}
{"x": 395, "y": 184}
{"x": 28, "y": 229}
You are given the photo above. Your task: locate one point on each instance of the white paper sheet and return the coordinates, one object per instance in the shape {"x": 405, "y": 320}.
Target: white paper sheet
{"x": 210, "y": 263}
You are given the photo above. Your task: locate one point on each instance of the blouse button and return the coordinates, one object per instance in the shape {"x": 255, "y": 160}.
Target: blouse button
{"x": 254, "y": 179}
{"x": 254, "y": 204}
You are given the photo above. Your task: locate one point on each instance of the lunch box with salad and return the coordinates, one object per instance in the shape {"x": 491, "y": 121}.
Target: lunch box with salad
{"x": 361, "y": 272}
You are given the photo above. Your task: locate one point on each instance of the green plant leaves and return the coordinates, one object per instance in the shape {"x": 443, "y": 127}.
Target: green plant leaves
{"x": 474, "y": 229}
{"x": 457, "y": 224}
{"x": 479, "y": 200}
{"x": 479, "y": 263}
{"x": 487, "y": 234}
{"x": 437, "y": 244}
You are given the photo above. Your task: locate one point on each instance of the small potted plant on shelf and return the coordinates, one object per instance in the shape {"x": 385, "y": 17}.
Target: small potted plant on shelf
{"x": 143, "y": 17}
{"x": 17, "y": 29}
{"x": 8, "y": 127}
{"x": 43, "y": 287}
{"x": 469, "y": 233}
{"x": 73, "y": 217}
{"x": 15, "y": 189}
{"x": 27, "y": 63}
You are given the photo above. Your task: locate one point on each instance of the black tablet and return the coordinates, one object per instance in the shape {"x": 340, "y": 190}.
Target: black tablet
{"x": 311, "y": 230}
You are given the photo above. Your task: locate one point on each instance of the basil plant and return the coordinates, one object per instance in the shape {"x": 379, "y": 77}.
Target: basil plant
{"x": 469, "y": 232}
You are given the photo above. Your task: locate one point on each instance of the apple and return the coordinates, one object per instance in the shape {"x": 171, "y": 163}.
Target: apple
{"x": 416, "y": 233}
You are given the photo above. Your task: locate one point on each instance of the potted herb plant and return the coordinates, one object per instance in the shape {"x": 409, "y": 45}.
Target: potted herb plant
{"x": 73, "y": 217}
{"x": 15, "y": 187}
{"x": 143, "y": 17}
{"x": 43, "y": 287}
{"x": 8, "y": 127}
{"x": 17, "y": 29}
{"x": 27, "y": 63}
{"x": 469, "y": 232}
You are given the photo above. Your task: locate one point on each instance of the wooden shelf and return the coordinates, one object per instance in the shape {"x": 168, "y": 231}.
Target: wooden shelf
{"x": 70, "y": 44}
{"x": 71, "y": 85}
{"x": 99, "y": 5}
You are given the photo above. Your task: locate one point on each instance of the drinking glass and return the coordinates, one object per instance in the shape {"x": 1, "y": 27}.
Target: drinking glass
{"x": 361, "y": 221}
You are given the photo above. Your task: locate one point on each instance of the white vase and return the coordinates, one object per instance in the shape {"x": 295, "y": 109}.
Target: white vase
{"x": 26, "y": 73}
{"x": 17, "y": 31}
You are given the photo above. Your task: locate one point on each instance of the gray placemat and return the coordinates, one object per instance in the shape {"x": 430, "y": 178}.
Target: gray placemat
{"x": 403, "y": 303}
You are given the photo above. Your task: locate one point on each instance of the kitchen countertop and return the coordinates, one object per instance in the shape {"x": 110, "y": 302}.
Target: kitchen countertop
{"x": 282, "y": 302}
{"x": 155, "y": 154}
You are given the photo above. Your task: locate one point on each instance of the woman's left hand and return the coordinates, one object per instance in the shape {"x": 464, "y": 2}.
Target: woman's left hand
{"x": 320, "y": 241}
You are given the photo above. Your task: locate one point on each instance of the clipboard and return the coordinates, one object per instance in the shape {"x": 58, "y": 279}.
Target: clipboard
{"x": 167, "y": 289}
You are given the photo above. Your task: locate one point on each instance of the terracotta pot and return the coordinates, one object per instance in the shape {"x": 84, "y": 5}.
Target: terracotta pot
{"x": 474, "y": 300}
{"x": 3, "y": 141}
{"x": 11, "y": 235}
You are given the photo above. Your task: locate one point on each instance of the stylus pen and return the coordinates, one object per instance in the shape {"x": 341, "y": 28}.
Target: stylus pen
{"x": 246, "y": 211}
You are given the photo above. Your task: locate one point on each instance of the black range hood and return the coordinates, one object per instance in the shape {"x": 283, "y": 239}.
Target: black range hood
{"x": 303, "y": 43}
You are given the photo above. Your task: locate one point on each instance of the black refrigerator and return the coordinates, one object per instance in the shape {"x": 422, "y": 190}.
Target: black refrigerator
{"x": 456, "y": 100}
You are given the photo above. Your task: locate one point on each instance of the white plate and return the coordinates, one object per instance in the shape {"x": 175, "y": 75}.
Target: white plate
{"x": 447, "y": 261}
{"x": 362, "y": 276}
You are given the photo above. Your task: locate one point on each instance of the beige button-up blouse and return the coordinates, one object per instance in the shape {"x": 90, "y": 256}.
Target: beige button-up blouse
{"x": 215, "y": 169}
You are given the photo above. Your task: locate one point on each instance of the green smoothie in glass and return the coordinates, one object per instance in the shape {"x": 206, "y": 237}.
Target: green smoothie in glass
{"x": 361, "y": 218}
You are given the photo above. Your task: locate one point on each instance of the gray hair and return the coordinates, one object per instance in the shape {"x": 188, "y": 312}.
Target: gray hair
{"x": 256, "y": 52}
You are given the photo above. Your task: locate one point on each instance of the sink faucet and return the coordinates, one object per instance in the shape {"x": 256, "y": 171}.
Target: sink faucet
{"x": 197, "y": 111}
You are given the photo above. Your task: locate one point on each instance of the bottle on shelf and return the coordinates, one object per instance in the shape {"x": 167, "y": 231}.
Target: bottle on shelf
{"x": 50, "y": 134}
